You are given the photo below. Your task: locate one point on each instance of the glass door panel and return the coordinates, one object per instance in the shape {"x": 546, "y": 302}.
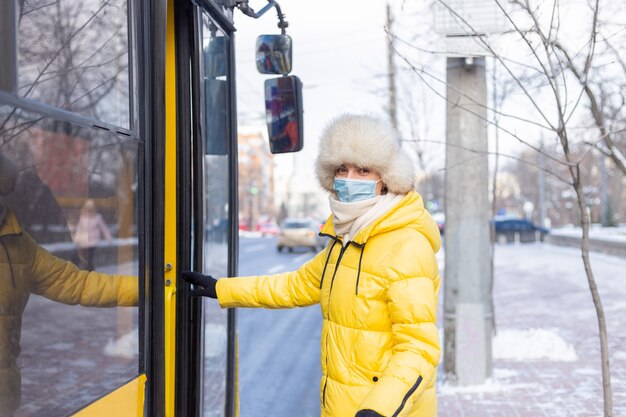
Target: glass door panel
{"x": 216, "y": 197}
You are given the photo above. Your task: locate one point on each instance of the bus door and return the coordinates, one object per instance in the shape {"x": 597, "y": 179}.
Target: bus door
{"x": 205, "y": 374}
{"x": 206, "y": 188}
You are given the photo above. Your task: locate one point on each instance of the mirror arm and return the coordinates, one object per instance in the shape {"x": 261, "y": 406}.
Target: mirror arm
{"x": 248, "y": 11}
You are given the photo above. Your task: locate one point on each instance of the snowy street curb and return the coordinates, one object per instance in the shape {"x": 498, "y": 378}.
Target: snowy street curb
{"x": 608, "y": 247}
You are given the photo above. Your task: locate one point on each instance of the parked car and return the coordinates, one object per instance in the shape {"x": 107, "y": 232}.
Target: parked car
{"x": 298, "y": 232}
{"x": 508, "y": 229}
{"x": 521, "y": 230}
{"x": 267, "y": 229}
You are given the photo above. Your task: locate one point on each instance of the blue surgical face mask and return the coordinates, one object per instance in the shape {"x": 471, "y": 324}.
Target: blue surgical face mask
{"x": 350, "y": 191}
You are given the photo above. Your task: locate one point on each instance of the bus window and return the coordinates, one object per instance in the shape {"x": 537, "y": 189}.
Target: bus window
{"x": 69, "y": 227}
{"x": 215, "y": 98}
{"x": 71, "y": 205}
{"x": 216, "y": 188}
{"x": 74, "y": 55}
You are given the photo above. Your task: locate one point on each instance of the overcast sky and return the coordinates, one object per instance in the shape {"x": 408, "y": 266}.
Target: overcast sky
{"x": 339, "y": 55}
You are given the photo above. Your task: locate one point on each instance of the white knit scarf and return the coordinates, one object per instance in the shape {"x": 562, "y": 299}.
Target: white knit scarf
{"x": 350, "y": 218}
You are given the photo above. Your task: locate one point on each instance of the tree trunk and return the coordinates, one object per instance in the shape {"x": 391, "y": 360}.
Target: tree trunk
{"x": 595, "y": 295}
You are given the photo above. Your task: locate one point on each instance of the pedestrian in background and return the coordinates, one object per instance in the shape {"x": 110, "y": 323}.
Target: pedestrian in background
{"x": 376, "y": 281}
{"x": 90, "y": 231}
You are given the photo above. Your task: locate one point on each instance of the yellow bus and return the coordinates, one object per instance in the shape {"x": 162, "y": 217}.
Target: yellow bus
{"x": 118, "y": 154}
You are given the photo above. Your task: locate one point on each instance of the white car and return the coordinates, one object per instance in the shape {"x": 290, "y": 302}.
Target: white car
{"x": 295, "y": 232}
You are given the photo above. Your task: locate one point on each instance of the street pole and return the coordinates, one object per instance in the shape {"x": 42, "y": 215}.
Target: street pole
{"x": 467, "y": 306}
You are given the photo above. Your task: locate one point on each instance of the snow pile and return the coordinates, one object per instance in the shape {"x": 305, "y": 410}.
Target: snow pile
{"x": 125, "y": 347}
{"x": 532, "y": 344}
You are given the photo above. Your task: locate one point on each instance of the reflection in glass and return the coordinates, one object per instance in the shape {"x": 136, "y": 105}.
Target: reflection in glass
{"x": 73, "y": 54}
{"x": 273, "y": 54}
{"x": 215, "y": 53}
{"x": 215, "y": 198}
{"x": 215, "y": 89}
{"x": 283, "y": 108}
{"x": 59, "y": 167}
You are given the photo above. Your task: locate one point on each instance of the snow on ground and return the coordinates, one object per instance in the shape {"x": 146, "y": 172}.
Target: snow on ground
{"x": 548, "y": 345}
{"x": 124, "y": 347}
{"x": 613, "y": 234}
{"x": 546, "y": 349}
{"x": 491, "y": 385}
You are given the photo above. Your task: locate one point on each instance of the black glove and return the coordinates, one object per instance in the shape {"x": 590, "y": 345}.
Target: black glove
{"x": 367, "y": 413}
{"x": 205, "y": 284}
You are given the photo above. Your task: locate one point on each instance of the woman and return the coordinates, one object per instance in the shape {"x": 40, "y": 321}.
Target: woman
{"x": 90, "y": 230}
{"x": 376, "y": 281}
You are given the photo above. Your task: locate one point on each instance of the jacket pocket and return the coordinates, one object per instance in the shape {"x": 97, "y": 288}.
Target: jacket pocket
{"x": 323, "y": 392}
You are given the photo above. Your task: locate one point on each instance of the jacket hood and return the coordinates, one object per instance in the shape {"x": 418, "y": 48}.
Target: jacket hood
{"x": 409, "y": 212}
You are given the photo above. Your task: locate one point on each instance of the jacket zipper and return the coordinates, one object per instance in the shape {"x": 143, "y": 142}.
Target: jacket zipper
{"x": 358, "y": 273}
{"x": 330, "y": 251}
{"x": 406, "y": 397}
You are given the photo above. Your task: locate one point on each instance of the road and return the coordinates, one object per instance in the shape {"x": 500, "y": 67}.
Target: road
{"x": 279, "y": 368}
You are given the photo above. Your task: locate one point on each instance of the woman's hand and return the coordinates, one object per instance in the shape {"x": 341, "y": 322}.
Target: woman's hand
{"x": 205, "y": 284}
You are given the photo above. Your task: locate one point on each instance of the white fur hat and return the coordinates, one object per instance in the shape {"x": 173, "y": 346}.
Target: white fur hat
{"x": 366, "y": 142}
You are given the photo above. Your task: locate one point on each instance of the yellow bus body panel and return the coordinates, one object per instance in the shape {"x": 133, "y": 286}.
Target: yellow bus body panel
{"x": 170, "y": 237}
{"x": 126, "y": 401}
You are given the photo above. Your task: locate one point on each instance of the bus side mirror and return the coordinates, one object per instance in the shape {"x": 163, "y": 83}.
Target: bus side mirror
{"x": 273, "y": 54}
{"x": 283, "y": 113}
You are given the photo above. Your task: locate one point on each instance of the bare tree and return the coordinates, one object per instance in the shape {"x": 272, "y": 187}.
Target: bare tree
{"x": 554, "y": 78}
{"x": 73, "y": 57}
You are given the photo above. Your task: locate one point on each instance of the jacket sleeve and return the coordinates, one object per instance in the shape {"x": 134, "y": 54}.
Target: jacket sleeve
{"x": 62, "y": 281}
{"x": 290, "y": 289}
{"x": 411, "y": 269}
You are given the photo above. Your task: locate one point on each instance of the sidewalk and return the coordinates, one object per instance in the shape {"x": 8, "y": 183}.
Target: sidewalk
{"x": 547, "y": 349}
{"x": 608, "y": 240}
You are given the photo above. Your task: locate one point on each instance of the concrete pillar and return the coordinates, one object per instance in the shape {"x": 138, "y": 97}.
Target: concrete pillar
{"x": 8, "y": 46}
{"x": 467, "y": 315}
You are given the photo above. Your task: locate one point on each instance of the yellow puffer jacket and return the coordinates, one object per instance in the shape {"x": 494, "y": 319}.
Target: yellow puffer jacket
{"x": 378, "y": 295}
{"x": 25, "y": 268}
